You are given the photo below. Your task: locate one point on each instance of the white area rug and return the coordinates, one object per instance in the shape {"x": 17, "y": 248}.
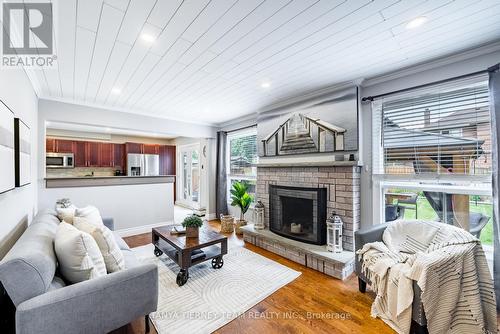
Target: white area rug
{"x": 213, "y": 297}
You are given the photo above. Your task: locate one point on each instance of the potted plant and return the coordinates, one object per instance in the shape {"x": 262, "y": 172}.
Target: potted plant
{"x": 192, "y": 224}
{"x": 240, "y": 198}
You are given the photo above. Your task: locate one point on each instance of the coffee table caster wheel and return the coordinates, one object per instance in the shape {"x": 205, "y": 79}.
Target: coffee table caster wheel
{"x": 158, "y": 252}
{"x": 217, "y": 262}
{"x": 182, "y": 277}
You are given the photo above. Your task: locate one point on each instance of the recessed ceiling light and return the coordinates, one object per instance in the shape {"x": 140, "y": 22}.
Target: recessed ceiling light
{"x": 265, "y": 85}
{"x": 416, "y": 22}
{"x": 116, "y": 91}
{"x": 148, "y": 38}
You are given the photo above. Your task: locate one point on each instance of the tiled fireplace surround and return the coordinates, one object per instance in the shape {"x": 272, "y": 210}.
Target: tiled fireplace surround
{"x": 343, "y": 197}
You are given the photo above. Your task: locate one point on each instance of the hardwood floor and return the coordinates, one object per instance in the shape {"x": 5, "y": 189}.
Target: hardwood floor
{"x": 313, "y": 303}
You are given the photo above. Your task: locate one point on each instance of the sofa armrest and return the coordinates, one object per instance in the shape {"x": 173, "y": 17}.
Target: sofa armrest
{"x": 109, "y": 223}
{"x": 365, "y": 236}
{"x": 94, "y": 306}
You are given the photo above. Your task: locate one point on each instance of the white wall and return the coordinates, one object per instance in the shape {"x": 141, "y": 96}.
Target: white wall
{"x": 18, "y": 206}
{"x": 133, "y": 207}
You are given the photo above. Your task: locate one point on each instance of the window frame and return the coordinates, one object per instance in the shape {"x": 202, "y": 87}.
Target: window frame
{"x": 230, "y": 177}
{"x": 478, "y": 184}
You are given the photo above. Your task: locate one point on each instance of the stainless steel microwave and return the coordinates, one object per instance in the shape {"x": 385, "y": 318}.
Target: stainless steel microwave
{"x": 60, "y": 160}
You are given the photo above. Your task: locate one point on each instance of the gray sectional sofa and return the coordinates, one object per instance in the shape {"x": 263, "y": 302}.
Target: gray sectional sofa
{"x": 46, "y": 304}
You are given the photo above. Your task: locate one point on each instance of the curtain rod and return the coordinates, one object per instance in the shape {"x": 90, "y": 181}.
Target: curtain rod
{"x": 242, "y": 128}
{"x": 371, "y": 98}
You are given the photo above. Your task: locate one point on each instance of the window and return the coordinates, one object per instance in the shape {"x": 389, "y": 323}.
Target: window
{"x": 432, "y": 155}
{"x": 242, "y": 158}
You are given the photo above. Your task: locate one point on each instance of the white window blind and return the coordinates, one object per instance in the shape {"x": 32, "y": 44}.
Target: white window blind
{"x": 443, "y": 129}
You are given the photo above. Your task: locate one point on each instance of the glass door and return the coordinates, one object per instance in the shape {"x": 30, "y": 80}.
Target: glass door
{"x": 190, "y": 176}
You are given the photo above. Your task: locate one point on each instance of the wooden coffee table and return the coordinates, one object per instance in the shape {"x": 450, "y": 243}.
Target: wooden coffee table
{"x": 186, "y": 251}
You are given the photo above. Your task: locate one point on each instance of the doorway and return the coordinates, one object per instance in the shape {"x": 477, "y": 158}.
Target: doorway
{"x": 189, "y": 185}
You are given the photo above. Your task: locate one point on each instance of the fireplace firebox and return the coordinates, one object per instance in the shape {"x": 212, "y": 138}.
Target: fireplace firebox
{"x": 298, "y": 213}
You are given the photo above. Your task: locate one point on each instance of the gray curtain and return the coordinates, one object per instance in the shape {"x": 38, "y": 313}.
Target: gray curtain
{"x": 495, "y": 126}
{"x": 221, "y": 176}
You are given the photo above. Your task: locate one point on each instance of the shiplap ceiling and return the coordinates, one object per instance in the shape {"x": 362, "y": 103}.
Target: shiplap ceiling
{"x": 210, "y": 57}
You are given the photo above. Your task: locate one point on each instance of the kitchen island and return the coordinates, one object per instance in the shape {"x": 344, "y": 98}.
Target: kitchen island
{"x": 137, "y": 203}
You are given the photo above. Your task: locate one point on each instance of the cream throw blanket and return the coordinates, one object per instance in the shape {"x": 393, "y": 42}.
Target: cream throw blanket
{"x": 448, "y": 265}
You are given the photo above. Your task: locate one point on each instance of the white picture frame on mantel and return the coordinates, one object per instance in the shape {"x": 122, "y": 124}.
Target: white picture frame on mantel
{"x": 7, "y": 176}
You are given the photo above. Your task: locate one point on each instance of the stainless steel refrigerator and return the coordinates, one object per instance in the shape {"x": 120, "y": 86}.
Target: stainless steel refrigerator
{"x": 143, "y": 164}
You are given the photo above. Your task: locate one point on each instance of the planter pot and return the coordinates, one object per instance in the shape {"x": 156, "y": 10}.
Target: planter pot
{"x": 192, "y": 232}
{"x": 226, "y": 224}
{"x": 239, "y": 224}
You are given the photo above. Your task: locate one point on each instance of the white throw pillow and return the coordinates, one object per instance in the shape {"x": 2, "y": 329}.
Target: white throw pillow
{"x": 111, "y": 252}
{"x": 89, "y": 214}
{"x": 78, "y": 254}
{"x": 66, "y": 214}
{"x": 409, "y": 236}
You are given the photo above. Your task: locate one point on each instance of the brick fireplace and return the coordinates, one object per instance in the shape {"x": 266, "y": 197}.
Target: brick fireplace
{"x": 342, "y": 187}
{"x": 341, "y": 182}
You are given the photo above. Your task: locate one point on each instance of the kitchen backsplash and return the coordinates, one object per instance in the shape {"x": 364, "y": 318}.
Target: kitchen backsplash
{"x": 80, "y": 171}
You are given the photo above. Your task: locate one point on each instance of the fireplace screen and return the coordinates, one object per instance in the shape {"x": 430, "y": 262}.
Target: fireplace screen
{"x": 298, "y": 213}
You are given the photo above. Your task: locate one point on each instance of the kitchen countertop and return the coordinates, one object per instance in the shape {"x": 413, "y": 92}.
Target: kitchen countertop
{"x": 98, "y": 181}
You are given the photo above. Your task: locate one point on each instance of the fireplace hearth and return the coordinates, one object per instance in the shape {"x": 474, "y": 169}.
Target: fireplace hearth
{"x": 298, "y": 213}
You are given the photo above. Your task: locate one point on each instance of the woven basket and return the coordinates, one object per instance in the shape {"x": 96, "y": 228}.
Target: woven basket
{"x": 239, "y": 224}
{"x": 226, "y": 224}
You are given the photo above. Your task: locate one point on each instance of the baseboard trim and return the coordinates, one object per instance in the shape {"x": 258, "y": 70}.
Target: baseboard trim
{"x": 127, "y": 232}
{"x": 211, "y": 216}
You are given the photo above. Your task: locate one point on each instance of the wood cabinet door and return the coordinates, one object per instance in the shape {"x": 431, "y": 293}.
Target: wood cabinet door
{"x": 119, "y": 156}
{"x": 93, "y": 154}
{"x": 151, "y": 149}
{"x": 80, "y": 154}
{"x": 106, "y": 157}
{"x": 134, "y": 148}
{"x": 64, "y": 146}
{"x": 50, "y": 145}
{"x": 167, "y": 160}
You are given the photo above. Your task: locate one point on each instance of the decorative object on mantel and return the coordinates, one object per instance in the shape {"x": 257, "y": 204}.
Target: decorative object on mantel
{"x": 192, "y": 224}
{"x": 226, "y": 223}
{"x": 325, "y": 126}
{"x": 259, "y": 216}
{"x": 241, "y": 199}
{"x": 334, "y": 226}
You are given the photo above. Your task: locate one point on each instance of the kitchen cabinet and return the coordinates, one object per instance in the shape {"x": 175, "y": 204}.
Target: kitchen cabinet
{"x": 93, "y": 154}
{"x": 134, "y": 148}
{"x": 53, "y": 145}
{"x": 167, "y": 160}
{"x": 64, "y": 146}
{"x": 119, "y": 156}
{"x": 106, "y": 155}
{"x": 80, "y": 153}
{"x": 50, "y": 145}
{"x": 151, "y": 149}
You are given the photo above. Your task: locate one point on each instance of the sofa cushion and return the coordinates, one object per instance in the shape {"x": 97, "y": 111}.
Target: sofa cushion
{"x": 28, "y": 268}
{"x": 79, "y": 256}
{"x": 130, "y": 259}
{"x": 111, "y": 252}
{"x": 89, "y": 214}
{"x": 66, "y": 214}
